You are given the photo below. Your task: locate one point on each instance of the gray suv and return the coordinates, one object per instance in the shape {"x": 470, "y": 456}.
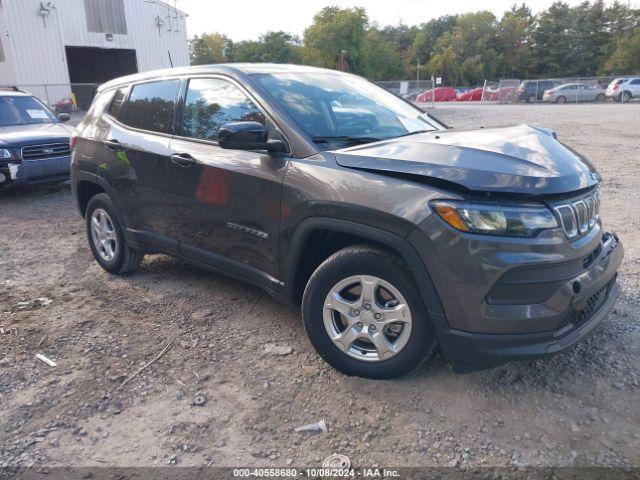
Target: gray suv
{"x": 393, "y": 232}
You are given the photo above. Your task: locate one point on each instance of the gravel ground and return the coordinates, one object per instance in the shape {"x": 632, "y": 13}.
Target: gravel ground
{"x": 580, "y": 408}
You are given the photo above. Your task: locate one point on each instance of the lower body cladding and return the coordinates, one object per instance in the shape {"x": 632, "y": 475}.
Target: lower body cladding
{"x": 29, "y": 172}
{"x": 507, "y": 299}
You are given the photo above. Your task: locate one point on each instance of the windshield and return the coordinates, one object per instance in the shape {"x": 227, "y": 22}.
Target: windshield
{"x": 340, "y": 110}
{"x": 24, "y": 111}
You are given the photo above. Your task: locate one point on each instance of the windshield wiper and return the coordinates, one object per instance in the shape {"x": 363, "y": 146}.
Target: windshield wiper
{"x": 345, "y": 138}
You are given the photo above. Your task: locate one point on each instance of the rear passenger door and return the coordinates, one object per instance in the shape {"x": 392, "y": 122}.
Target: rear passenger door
{"x": 226, "y": 202}
{"x": 136, "y": 150}
{"x": 586, "y": 93}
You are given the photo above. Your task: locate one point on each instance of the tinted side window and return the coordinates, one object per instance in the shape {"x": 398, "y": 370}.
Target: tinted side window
{"x": 635, "y": 81}
{"x": 117, "y": 104}
{"x": 212, "y": 103}
{"x": 151, "y": 105}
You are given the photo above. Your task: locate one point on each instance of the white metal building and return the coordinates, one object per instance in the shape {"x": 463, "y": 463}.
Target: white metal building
{"x": 62, "y": 42}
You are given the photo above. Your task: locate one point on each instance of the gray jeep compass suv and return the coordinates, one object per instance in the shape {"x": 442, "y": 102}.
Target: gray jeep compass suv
{"x": 395, "y": 233}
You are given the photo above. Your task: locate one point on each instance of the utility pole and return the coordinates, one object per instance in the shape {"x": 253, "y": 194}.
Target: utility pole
{"x": 343, "y": 61}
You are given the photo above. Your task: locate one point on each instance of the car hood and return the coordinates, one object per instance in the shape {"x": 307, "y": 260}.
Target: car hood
{"x": 21, "y": 135}
{"x": 520, "y": 159}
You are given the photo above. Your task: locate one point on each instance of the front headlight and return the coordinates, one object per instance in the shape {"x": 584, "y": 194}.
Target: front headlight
{"x": 492, "y": 219}
{"x": 9, "y": 154}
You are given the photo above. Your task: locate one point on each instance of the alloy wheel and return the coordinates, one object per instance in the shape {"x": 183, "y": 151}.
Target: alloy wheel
{"x": 367, "y": 318}
{"x": 103, "y": 234}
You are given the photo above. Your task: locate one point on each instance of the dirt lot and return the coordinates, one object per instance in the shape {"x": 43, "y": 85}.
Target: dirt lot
{"x": 579, "y": 408}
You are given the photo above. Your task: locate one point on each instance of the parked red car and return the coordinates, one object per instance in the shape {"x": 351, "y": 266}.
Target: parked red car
{"x": 474, "y": 95}
{"x": 505, "y": 94}
{"x": 442, "y": 94}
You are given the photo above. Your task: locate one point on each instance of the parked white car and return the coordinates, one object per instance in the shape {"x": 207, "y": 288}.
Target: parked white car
{"x": 624, "y": 89}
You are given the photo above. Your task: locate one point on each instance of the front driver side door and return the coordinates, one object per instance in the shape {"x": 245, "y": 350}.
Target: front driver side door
{"x": 227, "y": 202}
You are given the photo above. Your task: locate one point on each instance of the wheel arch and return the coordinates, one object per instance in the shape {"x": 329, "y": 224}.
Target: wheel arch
{"x": 85, "y": 186}
{"x": 303, "y": 259}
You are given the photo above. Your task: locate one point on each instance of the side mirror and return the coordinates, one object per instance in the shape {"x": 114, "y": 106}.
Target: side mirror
{"x": 248, "y": 136}
{"x": 64, "y": 117}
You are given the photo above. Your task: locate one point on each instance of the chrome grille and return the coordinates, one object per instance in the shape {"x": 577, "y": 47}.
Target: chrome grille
{"x": 49, "y": 150}
{"x": 578, "y": 216}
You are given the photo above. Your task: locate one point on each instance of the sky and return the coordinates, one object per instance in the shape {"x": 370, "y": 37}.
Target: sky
{"x": 248, "y": 19}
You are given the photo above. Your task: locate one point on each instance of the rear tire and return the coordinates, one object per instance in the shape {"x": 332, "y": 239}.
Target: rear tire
{"x": 106, "y": 237}
{"x": 364, "y": 316}
{"x": 625, "y": 97}
{"x": 601, "y": 97}
{"x": 532, "y": 99}
{"x": 561, "y": 99}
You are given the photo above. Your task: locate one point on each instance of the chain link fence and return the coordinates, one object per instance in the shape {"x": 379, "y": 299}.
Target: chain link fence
{"x": 75, "y": 98}
{"x": 411, "y": 90}
{"x": 507, "y": 90}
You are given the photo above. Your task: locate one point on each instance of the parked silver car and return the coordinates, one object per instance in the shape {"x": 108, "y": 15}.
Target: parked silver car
{"x": 574, "y": 92}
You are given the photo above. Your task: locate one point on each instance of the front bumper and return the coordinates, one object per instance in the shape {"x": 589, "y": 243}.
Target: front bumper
{"x": 516, "y": 299}
{"x": 475, "y": 351}
{"x": 29, "y": 172}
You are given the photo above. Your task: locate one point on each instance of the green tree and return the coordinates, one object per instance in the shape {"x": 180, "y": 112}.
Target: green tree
{"x": 589, "y": 38}
{"x": 273, "y": 47}
{"x": 381, "y": 59}
{"x": 425, "y": 40}
{"x": 446, "y": 64}
{"x": 210, "y": 48}
{"x": 514, "y": 42}
{"x": 622, "y": 23}
{"x": 472, "y": 46}
{"x": 400, "y": 35}
{"x": 280, "y": 47}
{"x": 246, "y": 51}
{"x": 333, "y": 30}
{"x": 552, "y": 42}
{"x": 626, "y": 56}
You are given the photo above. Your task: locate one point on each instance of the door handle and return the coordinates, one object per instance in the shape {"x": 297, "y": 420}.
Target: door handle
{"x": 183, "y": 159}
{"x": 112, "y": 144}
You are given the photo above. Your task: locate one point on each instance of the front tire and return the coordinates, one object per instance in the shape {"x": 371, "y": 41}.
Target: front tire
{"x": 364, "y": 316}
{"x": 106, "y": 237}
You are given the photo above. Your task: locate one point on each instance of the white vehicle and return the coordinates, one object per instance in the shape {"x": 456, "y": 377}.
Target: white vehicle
{"x": 624, "y": 89}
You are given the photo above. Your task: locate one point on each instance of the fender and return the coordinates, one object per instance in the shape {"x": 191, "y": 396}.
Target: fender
{"x": 391, "y": 240}
{"x": 82, "y": 176}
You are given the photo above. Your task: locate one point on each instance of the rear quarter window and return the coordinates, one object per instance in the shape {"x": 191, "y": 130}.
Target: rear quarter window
{"x": 116, "y": 109}
{"x": 151, "y": 106}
